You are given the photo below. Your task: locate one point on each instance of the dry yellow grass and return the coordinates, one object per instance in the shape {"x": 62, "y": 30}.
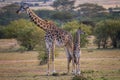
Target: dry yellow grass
{"x": 95, "y": 64}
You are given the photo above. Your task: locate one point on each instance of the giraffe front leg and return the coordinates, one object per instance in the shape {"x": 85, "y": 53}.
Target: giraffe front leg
{"x": 48, "y": 62}
{"x": 53, "y": 58}
{"x": 48, "y": 50}
{"x": 78, "y": 64}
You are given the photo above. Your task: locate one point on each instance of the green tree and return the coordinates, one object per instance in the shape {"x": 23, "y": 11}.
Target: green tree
{"x": 63, "y": 5}
{"x": 26, "y": 32}
{"x": 29, "y": 36}
{"x": 108, "y": 29}
{"x": 45, "y": 14}
{"x": 64, "y": 10}
{"x": 114, "y": 12}
{"x": 101, "y": 34}
{"x": 90, "y": 10}
{"x": 1, "y": 32}
{"x": 61, "y": 16}
{"x": 72, "y": 28}
{"x": 114, "y": 31}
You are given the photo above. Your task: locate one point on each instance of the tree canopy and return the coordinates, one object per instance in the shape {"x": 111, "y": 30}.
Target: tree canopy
{"x": 72, "y": 28}
{"x": 25, "y": 32}
{"x": 64, "y": 5}
{"x": 108, "y": 29}
{"x": 90, "y": 10}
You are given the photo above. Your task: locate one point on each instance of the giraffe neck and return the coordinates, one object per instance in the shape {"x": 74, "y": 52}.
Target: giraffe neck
{"x": 77, "y": 41}
{"x": 43, "y": 24}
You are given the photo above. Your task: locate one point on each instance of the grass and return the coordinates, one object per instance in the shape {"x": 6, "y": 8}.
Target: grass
{"x": 80, "y": 77}
{"x": 95, "y": 65}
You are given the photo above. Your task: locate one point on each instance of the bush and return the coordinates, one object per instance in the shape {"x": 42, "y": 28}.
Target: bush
{"x": 42, "y": 57}
{"x": 28, "y": 35}
{"x": 25, "y": 32}
{"x": 22, "y": 49}
{"x": 108, "y": 29}
{"x": 80, "y": 77}
{"x": 72, "y": 28}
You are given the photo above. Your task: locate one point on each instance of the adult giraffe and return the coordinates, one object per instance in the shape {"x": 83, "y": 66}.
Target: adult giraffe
{"x": 54, "y": 36}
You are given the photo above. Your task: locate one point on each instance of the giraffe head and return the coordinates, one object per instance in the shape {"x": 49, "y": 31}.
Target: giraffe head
{"x": 79, "y": 31}
{"x": 23, "y": 8}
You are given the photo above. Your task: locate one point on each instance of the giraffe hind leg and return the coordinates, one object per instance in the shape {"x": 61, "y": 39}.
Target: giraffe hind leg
{"x": 68, "y": 64}
{"x": 69, "y": 58}
{"x": 53, "y": 58}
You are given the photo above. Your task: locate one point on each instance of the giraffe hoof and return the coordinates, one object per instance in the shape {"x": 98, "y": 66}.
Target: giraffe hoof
{"x": 74, "y": 72}
{"x": 64, "y": 73}
{"x": 78, "y": 73}
{"x": 55, "y": 74}
{"x": 48, "y": 74}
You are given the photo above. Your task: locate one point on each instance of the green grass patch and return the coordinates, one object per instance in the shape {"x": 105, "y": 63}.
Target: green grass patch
{"x": 55, "y": 74}
{"x": 100, "y": 65}
{"x": 81, "y": 77}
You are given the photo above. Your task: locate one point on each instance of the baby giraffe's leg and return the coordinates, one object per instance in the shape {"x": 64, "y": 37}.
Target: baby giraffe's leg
{"x": 78, "y": 66}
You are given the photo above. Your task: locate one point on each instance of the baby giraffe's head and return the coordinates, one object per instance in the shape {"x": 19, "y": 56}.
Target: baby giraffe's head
{"x": 79, "y": 31}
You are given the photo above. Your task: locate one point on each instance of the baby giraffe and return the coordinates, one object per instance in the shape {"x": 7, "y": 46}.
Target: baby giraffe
{"x": 77, "y": 52}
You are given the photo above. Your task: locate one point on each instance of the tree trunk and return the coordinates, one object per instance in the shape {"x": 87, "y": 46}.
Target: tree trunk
{"x": 30, "y": 47}
{"x": 98, "y": 45}
{"x": 114, "y": 43}
{"x": 104, "y": 43}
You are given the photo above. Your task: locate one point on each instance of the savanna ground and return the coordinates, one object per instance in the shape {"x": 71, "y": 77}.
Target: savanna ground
{"x": 95, "y": 65}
